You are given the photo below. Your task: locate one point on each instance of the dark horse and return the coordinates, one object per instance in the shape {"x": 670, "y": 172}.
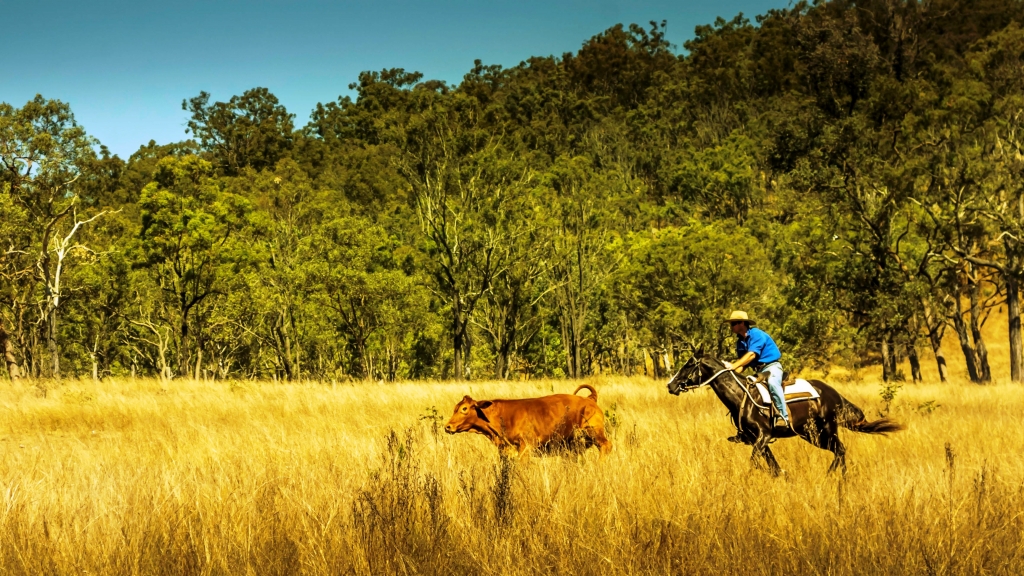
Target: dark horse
{"x": 816, "y": 421}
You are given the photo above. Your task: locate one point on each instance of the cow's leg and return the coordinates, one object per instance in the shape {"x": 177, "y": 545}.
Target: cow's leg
{"x": 505, "y": 449}
{"x": 602, "y": 441}
{"x": 524, "y": 451}
{"x": 593, "y": 429}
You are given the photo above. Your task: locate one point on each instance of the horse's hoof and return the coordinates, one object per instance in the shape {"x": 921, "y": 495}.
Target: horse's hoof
{"x": 735, "y": 439}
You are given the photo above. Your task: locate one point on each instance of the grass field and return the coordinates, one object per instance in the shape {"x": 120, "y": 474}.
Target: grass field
{"x": 135, "y": 477}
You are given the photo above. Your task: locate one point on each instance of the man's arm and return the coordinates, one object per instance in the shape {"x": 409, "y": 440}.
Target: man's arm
{"x": 741, "y": 363}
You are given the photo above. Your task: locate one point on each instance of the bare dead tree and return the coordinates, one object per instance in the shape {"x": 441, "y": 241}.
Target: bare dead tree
{"x": 160, "y": 341}
{"x": 50, "y": 264}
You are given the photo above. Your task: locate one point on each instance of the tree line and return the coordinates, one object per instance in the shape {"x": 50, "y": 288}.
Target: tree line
{"x": 850, "y": 172}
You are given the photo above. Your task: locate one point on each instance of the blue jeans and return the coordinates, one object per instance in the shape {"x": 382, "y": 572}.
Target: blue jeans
{"x": 774, "y": 371}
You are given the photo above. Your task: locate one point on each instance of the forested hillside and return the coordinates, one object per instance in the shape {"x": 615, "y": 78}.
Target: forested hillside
{"x": 850, "y": 173}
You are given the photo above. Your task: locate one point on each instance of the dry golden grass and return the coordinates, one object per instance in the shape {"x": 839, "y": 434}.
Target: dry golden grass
{"x": 131, "y": 477}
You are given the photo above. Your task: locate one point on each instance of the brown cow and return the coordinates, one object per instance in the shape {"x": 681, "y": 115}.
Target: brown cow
{"x": 559, "y": 420}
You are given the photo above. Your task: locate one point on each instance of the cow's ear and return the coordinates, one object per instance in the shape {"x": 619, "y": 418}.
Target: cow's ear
{"x": 479, "y": 406}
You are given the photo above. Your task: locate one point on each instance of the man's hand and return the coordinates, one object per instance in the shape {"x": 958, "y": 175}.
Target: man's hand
{"x": 728, "y": 365}
{"x": 740, "y": 363}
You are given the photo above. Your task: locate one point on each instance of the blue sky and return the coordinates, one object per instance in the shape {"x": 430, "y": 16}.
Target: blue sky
{"x": 126, "y": 66}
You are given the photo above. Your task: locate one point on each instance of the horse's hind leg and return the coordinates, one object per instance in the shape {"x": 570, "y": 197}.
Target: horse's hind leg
{"x": 840, "y": 451}
{"x": 829, "y": 440}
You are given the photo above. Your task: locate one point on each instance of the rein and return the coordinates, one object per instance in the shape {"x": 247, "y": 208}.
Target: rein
{"x": 709, "y": 380}
{"x": 746, "y": 391}
{"x": 747, "y": 396}
{"x": 745, "y": 388}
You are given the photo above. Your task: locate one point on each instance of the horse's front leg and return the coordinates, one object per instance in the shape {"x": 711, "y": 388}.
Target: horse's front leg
{"x": 773, "y": 464}
{"x": 760, "y": 450}
{"x": 761, "y": 437}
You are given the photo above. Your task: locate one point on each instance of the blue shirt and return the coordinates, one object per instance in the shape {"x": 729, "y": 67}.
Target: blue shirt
{"x": 761, "y": 344}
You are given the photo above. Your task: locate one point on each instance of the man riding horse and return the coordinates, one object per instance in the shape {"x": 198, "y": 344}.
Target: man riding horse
{"x": 755, "y": 348}
{"x": 815, "y": 417}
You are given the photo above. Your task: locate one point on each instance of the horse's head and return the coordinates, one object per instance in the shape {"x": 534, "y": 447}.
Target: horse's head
{"x": 689, "y": 375}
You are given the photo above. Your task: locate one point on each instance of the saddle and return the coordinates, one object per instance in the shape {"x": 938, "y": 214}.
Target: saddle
{"x": 793, "y": 391}
{"x": 798, "y": 390}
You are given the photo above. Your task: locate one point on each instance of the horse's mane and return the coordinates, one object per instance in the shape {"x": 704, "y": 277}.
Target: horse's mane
{"x": 712, "y": 361}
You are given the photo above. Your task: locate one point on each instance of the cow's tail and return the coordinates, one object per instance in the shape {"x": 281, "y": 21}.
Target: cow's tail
{"x": 593, "y": 393}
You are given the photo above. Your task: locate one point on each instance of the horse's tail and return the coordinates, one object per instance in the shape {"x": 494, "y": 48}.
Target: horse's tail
{"x": 881, "y": 426}
{"x": 852, "y": 418}
{"x": 593, "y": 393}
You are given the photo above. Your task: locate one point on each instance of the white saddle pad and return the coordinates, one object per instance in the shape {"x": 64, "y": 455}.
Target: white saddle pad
{"x": 799, "y": 391}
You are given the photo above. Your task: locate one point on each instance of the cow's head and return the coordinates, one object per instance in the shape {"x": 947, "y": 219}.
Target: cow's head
{"x": 469, "y": 415}
{"x": 689, "y": 375}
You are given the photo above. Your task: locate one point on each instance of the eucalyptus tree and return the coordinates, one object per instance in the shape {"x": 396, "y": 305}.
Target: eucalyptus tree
{"x": 678, "y": 282}
{"x": 187, "y": 241}
{"x": 249, "y": 131}
{"x": 512, "y": 311}
{"x": 859, "y": 150}
{"x": 586, "y": 250}
{"x": 973, "y": 198}
{"x": 849, "y": 171}
{"x": 997, "y": 64}
{"x": 97, "y": 300}
{"x": 43, "y": 152}
{"x": 267, "y": 294}
{"x": 463, "y": 180}
{"x": 356, "y": 274}
{"x": 13, "y": 274}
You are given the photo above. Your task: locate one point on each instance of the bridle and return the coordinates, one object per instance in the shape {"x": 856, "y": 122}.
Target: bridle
{"x": 685, "y": 387}
{"x": 747, "y": 397}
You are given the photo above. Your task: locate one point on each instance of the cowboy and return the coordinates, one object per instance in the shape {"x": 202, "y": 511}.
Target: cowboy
{"x": 755, "y": 348}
